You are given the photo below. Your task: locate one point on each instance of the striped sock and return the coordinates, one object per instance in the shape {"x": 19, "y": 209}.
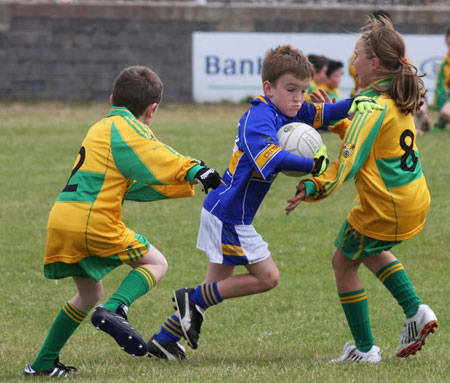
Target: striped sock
{"x": 138, "y": 282}
{"x": 394, "y": 277}
{"x": 64, "y": 325}
{"x": 356, "y": 309}
{"x": 206, "y": 295}
{"x": 170, "y": 330}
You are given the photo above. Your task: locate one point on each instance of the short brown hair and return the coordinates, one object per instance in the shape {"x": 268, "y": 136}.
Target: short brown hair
{"x": 285, "y": 59}
{"x": 136, "y": 88}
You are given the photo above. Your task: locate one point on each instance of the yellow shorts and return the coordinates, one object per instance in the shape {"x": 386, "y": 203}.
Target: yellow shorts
{"x": 96, "y": 267}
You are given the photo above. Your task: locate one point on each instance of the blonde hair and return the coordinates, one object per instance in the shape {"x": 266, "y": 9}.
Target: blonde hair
{"x": 406, "y": 87}
{"x": 285, "y": 59}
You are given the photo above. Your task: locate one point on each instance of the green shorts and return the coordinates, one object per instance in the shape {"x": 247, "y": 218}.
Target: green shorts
{"x": 355, "y": 245}
{"x": 96, "y": 267}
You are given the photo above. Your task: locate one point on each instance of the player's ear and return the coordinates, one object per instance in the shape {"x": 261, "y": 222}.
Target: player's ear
{"x": 267, "y": 88}
{"x": 151, "y": 110}
{"x": 375, "y": 63}
{"x": 111, "y": 101}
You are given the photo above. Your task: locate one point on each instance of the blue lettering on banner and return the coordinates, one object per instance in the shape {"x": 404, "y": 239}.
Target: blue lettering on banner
{"x": 229, "y": 67}
{"x": 214, "y": 65}
{"x": 431, "y": 65}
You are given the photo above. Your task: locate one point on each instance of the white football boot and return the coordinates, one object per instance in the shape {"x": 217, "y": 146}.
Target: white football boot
{"x": 415, "y": 331}
{"x": 352, "y": 354}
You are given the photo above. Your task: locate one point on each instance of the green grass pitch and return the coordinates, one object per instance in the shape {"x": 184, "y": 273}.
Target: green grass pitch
{"x": 285, "y": 335}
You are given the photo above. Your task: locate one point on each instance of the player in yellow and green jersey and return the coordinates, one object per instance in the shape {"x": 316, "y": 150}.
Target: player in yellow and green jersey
{"x": 442, "y": 95}
{"x": 120, "y": 159}
{"x": 380, "y": 154}
{"x": 320, "y": 66}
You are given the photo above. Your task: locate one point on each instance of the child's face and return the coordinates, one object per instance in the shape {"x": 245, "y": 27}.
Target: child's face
{"x": 334, "y": 80}
{"x": 363, "y": 65}
{"x": 321, "y": 76}
{"x": 288, "y": 94}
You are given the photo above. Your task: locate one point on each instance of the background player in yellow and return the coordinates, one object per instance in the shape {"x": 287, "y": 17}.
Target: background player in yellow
{"x": 333, "y": 80}
{"x": 120, "y": 159}
{"x": 320, "y": 66}
{"x": 379, "y": 152}
{"x": 442, "y": 95}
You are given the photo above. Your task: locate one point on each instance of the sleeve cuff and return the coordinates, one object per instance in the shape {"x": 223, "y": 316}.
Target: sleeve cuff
{"x": 192, "y": 172}
{"x": 310, "y": 188}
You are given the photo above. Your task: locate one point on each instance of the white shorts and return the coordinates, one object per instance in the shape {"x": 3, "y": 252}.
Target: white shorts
{"x": 230, "y": 244}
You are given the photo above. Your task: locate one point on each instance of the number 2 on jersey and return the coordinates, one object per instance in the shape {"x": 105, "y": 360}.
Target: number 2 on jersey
{"x": 73, "y": 187}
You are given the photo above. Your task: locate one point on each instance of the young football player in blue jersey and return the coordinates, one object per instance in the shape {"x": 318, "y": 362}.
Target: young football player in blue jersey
{"x": 379, "y": 152}
{"x": 226, "y": 232}
{"x": 120, "y": 159}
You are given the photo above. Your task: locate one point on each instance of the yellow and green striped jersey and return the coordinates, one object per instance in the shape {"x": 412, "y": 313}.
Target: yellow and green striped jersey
{"x": 311, "y": 88}
{"x": 332, "y": 93}
{"x": 379, "y": 152}
{"x": 442, "y": 94}
{"x": 120, "y": 159}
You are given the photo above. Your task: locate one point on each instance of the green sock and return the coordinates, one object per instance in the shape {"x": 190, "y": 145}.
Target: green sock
{"x": 136, "y": 283}
{"x": 394, "y": 277}
{"x": 64, "y": 325}
{"x": 356, "y": 309}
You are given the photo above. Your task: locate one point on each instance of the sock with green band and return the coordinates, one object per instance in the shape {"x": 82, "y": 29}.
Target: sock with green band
{"x": 138, "y": 282}
{"x": 394, "y": 277}
{"x": 356, "y": 309}
{"x": 64, "y": 325}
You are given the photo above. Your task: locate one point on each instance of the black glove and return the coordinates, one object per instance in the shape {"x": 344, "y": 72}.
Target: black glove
{"x": 209, "y": 178}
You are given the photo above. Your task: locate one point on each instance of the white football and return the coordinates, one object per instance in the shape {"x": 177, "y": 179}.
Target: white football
{"x": 300, "y": 139}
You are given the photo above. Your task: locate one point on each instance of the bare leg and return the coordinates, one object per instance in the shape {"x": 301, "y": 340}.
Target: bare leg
{"x": 262, "y": 276}
{"x": 346, "y": 273}
{"x": 89, "y": 293}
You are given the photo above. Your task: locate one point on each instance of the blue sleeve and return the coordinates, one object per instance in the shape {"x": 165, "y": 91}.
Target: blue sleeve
{"x": 294, "y": 162}
{"x": 258, "y": 139}
{"x": 318, "y": 115}
{"x": 336, "y": 111}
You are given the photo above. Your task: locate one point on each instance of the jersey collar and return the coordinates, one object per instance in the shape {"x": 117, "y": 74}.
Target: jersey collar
{"x": 263, "y": 99}
{"x": 120, "y": 111}
{"x": 370, "y": 91}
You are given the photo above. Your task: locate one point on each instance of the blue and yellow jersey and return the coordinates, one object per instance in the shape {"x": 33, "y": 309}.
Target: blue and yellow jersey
{"x": 442, "y": 94}
{"x": 120, "y": 159}
{"x": 256, "y": 155}
{"x": 379, "y": 152}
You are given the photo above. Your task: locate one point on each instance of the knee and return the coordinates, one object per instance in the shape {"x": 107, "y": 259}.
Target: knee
{"x": 159, "y": 267}
{"x": 271, "y": 280}
{"x": 444, "y": 113}
{"x": 334, "y": 262}
{"x": 337, "y": 265}
{"x": 164, "y": 266}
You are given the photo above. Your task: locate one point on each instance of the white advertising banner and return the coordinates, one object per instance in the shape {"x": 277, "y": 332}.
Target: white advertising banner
{"x": 226, "y": 66}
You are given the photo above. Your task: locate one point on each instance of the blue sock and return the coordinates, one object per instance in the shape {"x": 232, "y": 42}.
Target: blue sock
{"x": 206, "y": 295}
{"x": 170, "y": 330}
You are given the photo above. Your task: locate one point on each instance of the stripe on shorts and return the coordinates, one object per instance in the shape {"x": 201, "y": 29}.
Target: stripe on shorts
{"x": 231, "y": 246}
